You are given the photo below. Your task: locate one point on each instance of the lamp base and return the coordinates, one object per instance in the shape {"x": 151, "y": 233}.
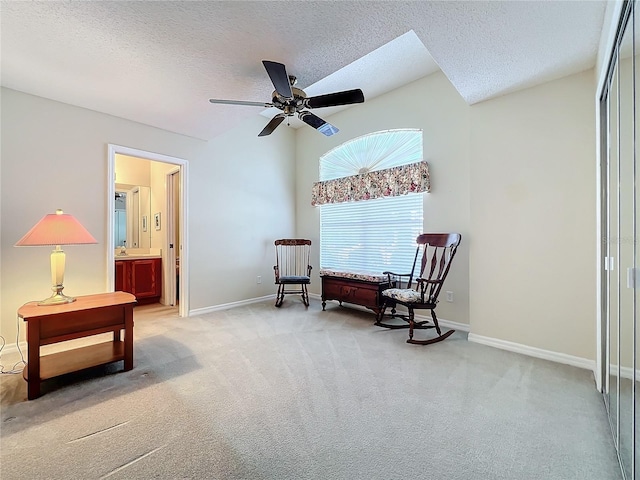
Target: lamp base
{"x": 57, "y": 299}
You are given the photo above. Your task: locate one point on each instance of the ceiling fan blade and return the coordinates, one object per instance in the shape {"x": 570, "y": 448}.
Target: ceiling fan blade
{"x": 278, "y": 75}
{"x": 319, "y": 124}
{"x": 240, "y": 102}
{"x": 271, "y": 126}
{"x": 334, "y": 99}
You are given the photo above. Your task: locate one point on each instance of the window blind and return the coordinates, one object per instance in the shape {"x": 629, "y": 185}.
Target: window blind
{"x": 372, "y": 235}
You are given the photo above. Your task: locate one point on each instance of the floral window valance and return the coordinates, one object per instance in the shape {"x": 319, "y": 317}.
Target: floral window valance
{"x": 391, "y": 182}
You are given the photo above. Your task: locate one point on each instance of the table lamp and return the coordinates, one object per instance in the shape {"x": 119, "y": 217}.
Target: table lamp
{"x": 57, "y": 229}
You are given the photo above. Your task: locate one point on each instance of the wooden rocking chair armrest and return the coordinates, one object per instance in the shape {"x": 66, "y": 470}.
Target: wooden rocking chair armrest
{"x": 398, "y": 277}
{"x": 390, "y": 274}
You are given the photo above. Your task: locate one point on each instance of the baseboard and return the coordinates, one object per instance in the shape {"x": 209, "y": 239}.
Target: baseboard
{"x": 13, "y": 349}
{"x": 625, "y": 372}
{"x": 227, "y": 306}
{"x": 579, "y": 362}
{"x": 472, "y": 337}
{"x": 534, "y": 352}
{"x": 463, "y": 327}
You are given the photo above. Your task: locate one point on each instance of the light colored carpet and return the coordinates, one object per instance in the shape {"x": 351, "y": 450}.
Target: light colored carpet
{"x": 257, "y": 392}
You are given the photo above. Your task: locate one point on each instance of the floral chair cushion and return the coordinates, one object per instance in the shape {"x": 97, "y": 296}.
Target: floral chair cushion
{"x": 406, "y": 295}
{"x": 366, "y": 276}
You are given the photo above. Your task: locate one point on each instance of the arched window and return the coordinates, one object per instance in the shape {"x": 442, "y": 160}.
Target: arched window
{"x": 370, "y": 196}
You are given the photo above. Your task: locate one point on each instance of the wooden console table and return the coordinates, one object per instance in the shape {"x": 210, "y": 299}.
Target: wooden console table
{"x": 88, "y": 315}
{"x": 364, "y": 292}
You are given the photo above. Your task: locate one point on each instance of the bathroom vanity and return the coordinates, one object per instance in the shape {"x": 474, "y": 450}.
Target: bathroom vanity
{"x": 140, "y": 275}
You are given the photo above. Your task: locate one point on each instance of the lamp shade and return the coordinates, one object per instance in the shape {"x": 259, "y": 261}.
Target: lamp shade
{"x": 57, "y": 229}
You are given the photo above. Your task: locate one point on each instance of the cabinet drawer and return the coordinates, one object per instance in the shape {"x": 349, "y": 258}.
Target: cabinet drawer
{"x": 366, "y": 294}
{"x": 332, "y": 290}
{"x": 367, "y": 297}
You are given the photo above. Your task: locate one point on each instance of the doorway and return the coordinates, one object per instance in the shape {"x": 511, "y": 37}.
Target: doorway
{"x": 169, "y": 230}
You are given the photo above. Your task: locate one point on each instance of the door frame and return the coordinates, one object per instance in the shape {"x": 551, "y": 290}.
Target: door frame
{"x": 172, "y": 253}
{"x": 183, "y": 166}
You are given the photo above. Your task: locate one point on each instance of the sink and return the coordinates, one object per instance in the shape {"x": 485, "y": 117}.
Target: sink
{"x": 134, "y": 256}
{"x": 135, "y": 253}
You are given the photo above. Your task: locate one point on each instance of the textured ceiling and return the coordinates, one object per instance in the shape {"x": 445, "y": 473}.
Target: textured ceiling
{"x": 158, "y": 63}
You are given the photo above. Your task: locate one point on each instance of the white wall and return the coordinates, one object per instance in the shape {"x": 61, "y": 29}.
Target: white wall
{"x": 433, "y": 105}
{"x": 245, "y": 188}
{"x": 55, "y": 156}
{"x": 132, "y": 170}
{"x": 515, "y": 176}
{"x": 533, "y": 257}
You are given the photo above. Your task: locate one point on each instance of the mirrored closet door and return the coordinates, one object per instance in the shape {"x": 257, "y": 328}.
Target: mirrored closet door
{"x": 620, "y": 173}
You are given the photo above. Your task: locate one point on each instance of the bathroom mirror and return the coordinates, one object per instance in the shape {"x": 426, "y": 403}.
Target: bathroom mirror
{"x": 132, "y": 225}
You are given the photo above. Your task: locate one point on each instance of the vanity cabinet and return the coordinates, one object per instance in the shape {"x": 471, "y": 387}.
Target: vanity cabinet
{"x": 141, "y": 277}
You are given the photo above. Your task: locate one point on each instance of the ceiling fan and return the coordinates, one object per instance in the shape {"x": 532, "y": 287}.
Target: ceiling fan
{"x": 292, "y": 100}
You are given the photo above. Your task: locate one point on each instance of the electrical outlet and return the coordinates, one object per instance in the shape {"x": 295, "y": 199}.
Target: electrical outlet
{"x": 450, "y": 297}
{"x": 258, "y": 279}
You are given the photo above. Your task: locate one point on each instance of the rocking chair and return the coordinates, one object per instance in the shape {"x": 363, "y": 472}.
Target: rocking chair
{"x": 438, "y": 250}
{"x": 292, "y": 268}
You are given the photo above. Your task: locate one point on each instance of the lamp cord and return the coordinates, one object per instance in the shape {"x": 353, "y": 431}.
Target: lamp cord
{"x": 13, "y": 369}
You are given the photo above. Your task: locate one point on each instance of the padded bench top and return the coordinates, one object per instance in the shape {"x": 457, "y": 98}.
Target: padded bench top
{"x": 366, "y": 276}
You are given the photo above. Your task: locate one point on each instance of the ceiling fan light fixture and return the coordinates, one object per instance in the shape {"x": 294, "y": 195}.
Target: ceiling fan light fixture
{"x": 327, "y": 129}
{"x": 318, "y": 123}
{"x": 292, "y": 100}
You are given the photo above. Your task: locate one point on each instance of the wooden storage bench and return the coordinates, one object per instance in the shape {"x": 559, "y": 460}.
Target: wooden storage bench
{"x": 355, "y": 288}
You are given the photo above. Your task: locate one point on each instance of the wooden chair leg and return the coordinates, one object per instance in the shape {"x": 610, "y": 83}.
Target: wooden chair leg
{"x": 305, "y": 295}
{"x": 380, "y": 313}
{"x": 280, "y": 295}
{"x": 411, "y": 324}
{"x": 435, "y": 321}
